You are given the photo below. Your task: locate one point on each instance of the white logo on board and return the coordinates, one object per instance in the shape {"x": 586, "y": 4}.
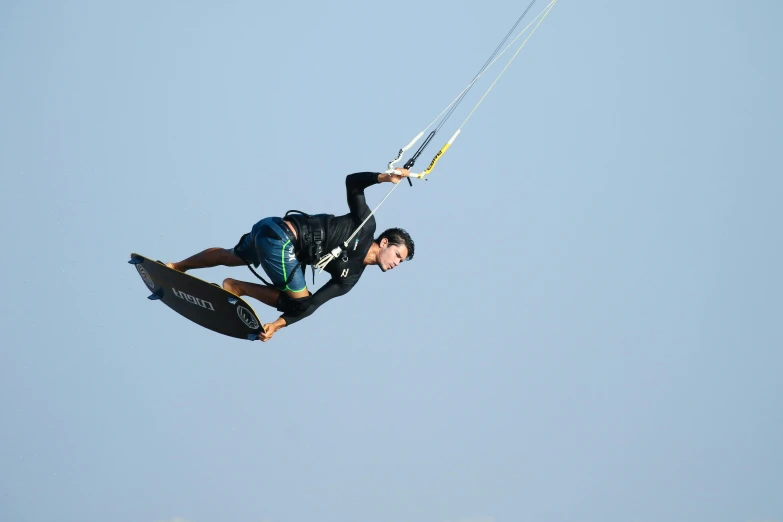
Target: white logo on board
{"x": 193, "y": 300}
{"x": 247, "y": 317}
{"x": 145, "y": 277}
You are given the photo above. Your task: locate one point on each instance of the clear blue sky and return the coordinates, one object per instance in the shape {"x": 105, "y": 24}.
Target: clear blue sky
{"x": 591, "y": 329}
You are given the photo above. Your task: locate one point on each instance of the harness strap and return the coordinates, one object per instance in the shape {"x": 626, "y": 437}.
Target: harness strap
{"x": 313, "y": 237}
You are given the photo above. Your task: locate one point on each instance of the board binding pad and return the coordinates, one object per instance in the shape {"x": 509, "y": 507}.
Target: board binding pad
{"x": 204, "y": 303}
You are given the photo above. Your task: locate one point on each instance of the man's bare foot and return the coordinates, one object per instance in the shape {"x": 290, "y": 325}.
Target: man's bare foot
{"x": 174, "y": 266}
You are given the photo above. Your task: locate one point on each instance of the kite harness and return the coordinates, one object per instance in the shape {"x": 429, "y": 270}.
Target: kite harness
{"x": 311, "y": 239}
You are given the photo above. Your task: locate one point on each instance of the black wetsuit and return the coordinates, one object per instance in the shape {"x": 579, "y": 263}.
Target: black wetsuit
{"x": 347, "y": 268}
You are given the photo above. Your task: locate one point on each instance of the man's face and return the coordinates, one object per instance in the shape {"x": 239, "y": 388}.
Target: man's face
{"x": 391, "y": 255}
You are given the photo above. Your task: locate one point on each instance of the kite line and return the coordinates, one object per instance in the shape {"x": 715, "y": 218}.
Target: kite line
{"x": 444, "y": 115}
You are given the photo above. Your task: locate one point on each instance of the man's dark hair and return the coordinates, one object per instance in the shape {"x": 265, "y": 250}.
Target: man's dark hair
{"x": 398, "y": 236}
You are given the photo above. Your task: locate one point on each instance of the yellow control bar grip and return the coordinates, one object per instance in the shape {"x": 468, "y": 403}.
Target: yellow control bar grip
{"x": 437, "y": 157}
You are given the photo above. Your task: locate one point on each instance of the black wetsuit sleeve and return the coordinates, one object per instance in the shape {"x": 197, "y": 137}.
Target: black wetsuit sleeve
{"x": 329, "y": 291}
{"x": 354, "y": 186}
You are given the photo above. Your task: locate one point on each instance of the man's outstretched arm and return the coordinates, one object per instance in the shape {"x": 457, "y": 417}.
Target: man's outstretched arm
{"x": 329, "y": 291}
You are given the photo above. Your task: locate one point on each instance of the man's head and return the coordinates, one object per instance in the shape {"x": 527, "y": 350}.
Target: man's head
{"x": 395, "y": 246}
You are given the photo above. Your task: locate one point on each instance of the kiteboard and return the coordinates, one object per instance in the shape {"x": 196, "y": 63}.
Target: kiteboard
{"x": 204, "y": 303}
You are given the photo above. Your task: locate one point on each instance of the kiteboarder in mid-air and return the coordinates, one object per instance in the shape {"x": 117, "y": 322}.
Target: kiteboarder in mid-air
{"x": 342, "y": 245}
{"x": 284, "y": 246}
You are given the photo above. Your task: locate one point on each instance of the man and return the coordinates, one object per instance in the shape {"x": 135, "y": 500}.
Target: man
{"x": 283, "y": 246}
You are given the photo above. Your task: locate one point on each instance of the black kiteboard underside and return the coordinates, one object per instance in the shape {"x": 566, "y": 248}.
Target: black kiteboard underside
{"x": 203, "y": 303}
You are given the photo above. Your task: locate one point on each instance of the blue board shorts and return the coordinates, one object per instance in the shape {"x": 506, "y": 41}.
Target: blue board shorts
{"x": 270, "y": 244}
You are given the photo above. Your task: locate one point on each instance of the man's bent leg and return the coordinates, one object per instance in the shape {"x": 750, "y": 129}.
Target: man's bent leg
{"x": 266, "y": 294}
{"x": 207, "y": 259}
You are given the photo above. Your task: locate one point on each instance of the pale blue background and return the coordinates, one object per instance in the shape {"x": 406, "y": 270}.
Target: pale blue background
{"x": 590, "y": 331}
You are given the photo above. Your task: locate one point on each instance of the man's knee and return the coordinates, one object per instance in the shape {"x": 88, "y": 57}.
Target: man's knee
{"x": 231, "y": 285}
{"x": 289, "y": 305}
